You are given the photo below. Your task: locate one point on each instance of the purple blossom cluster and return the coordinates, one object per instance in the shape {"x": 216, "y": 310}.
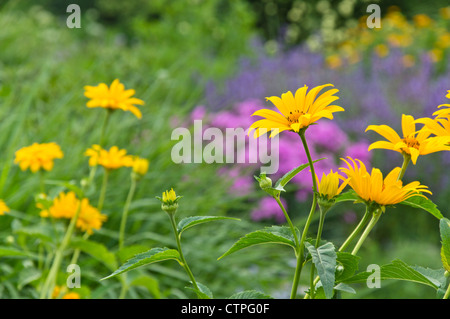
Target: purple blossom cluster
{"x": 373, "y": 91}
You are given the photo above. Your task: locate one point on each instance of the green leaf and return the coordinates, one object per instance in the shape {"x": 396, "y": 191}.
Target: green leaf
{"x": 423, "y": 203}
{"x": 95, "y": 250}
{"x": 279, "y": 185}
{"x": 28, "y": 275}
{"x": 344, "y": 287}
{"x": 324, "y": 258}
{"x": 397, "y": 270}
{"x": 13, "y": 252}
{"x": 349, "y": 264}
{"x": 202, "y": 292}
{"x": 270, "y": 235}
{"x": 188, "y": 222}
{"x": 71, "y": 185}
{"x": 444, "y": 226}
{"x": 250, "y": 294}
{"x": 43, "y": 232}
{"x": 148, "y": 282}
{"x": 146, "y": 258}
{"x": 347, "y": 196}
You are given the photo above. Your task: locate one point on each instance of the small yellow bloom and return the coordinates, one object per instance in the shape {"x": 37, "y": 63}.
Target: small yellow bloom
{"x": 58, "y": 291}
{"x": 328, "y": 186}
{"x": 413, "y": 142}
{"x": 297, "y": 112}
{"x": 436, "y": 54}
{"x": 71, "y": 295}
{"x": 66, "y": 206}
{"x": 445, "y": 13}
{"x": 333, "y": 61}
{"x": 422, "y": 20}
{"x": 3, "y": 208}
{"x": 38, "y": 156}
{"x": 169, "y": 196}
{"x": 109, "y": 159}
{"x": 408, "y": 60}
{"x": 444, "y": 112}
{"x": 113, "y": 98}
{"x": 382, "y": 50}
{"x": 140, "y": 165}
{"x": 373, "y": 188}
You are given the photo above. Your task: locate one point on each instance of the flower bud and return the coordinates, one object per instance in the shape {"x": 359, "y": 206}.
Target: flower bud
{"x": 169, "y": 201}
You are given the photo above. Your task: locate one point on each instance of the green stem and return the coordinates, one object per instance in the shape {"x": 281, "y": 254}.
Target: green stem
{"x": 357, "y": 230}
{"x": 300, "y": 256}
{"x": 126, "y": 208}
{"x": 101, "y": 199}
{"x": 406, "y": 160}
{"x": 76, "y": 253}
{"x": 447, "y": 292}
{"x": 376, "y": 215}
{"x": 183, "y": 260}
{"x": 105, "y": 124}
{"x": 49, "y": 284}
{"x": 42, "y": 182}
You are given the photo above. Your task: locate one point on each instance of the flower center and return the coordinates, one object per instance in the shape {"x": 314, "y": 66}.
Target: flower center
{"x": 294, "y": 116}
{"x": 411, "y": 142}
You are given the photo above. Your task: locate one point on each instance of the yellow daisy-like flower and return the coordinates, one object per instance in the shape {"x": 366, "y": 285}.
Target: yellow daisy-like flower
{"x": 113, "y": 158}
{"x": 71, "y": 295}
{"x": 140, "y": 165}
{"x": 445, "y": 112}
{"x": 58, "y": 291}
{"x": 66, "y": 206}
{"x": 169, "y": 196}
{"x": 439, "y": 126}
{"x": 297, "y": 112}
{"x": 328, "y": 186}
{"x": 373, "y": 188}
{"x": 38, "y": 156}
{"x": 113, "y": 97}
{"x": 412, "y": 142}
{"x": 3, "y": 208}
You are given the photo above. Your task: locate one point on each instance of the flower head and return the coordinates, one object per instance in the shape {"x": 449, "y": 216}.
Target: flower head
{"x": 113, "y": 158}
{"x": 169, "y": 201}
{"x": 140, "y": 166}
{"x": 412, "y": 142}
{"x": 372, "y": 188}
{"x": 3, "y": 208}
{"x": 66, "y": 206}
{"x": 61, "y": 292}
{"x": 38, "y": 156}
{"x": 439, "y": 126}
{"x": 328, "y": 186}
{"x": 113, "y": 97}
{"x": 297, "y": 112}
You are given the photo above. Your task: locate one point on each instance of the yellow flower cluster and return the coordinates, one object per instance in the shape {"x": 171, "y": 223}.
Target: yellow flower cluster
{"x": 66, "y": 206}
{"x": 38, "y": 156}
{"x": 61, "y": 292}
{"x": 3, "y": 208}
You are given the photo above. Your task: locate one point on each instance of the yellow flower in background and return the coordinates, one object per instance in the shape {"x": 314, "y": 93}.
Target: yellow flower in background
{"x": 329, "y": 186}
{"x": 333, "y": 61}
{"x": 373, "y": 188}
{"x": 58, "y": 291}
{"x": 438, "y": 126}
{"x": 436, "y": 55}
{"x": 297, "y": 112}
{"x": 445, "y": 112}
{"x": 412, "y": 142}
{"x": 381, "y": 50}
{"x": 422, "y": 20}
{"x": 408, "y": 60}
{"x": 445, "y": 13}
{"x": 38, "y": 156}
{"x": 3, "y": 208}
{"x": 140, "y": 165}
{"x": 114, "y": 97}
{"x": 113, "y": 158}
{"x": 71, "y": 295}
{"x": 66, "y": 206}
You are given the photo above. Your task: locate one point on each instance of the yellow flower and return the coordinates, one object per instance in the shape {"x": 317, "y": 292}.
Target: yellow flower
{"x": 66, "y": 206}
{"x": 113, "y": 98}
{"x": 3, "y": 208}
{"x": 445, "y": 13}
{"x": 71, "y": 295}
{"x": 112, "y": 159}
{"x": 436, "y": 54}
{"x": 413, "y": 142}
{"x": 38, "y": 156}
{"x": 381, "y": 50}
{"x": 328, "y": 186}
{"x": 408, "y": 60}
{"x": 445, "y": 112}
{"x": 372, "y": 188}
{"x": 422, "y": 20}
{"x": 140, "y": 165}
{"x": 438, "y": 126}
{"x": 333, "y": 61}
{"x": 296, "y": 112}
{"x": 58, "y": 290}
{"x": 169, "y": 196}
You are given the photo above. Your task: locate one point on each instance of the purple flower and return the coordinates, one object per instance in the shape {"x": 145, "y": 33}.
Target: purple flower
{"x": 268, "y": 208}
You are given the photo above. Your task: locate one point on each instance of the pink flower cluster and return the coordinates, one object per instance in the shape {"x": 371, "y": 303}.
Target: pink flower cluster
{"x": 325, "y": 140}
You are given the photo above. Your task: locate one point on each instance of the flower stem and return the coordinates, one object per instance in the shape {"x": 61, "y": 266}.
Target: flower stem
{"x": 447, "y": 292}
{"x": 101, "y": 199}
{"x": 376, "y": 215}
{"x": 300, "y": 255}
{"x": 183, "y": 260}
{"x": 126, "y": 208}
{"x": 49, "y": 284}
{"x": 357, "y": 230}
{"x": 294, "y": 233}
{"x": 105, "y": 124}
{"x": 406, "y": 160}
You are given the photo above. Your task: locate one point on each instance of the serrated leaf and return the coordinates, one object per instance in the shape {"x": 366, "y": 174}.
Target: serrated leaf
{"x": 146, "y": 258}
{"x": 95, "y": 250}
{"x": 279, "y": 185}
{"x": 397, "y": 270}
{"x": 344, "y": 287}
{"x": 270, "y": 235}
{"x": 188, "y": 222}
{"x": 347, "y": 196}
{"x": 436, "y": 276}
{"x": 202, "y": 292}
{"x": 250, "y": 294}
{"x": 423, "y": 203}
{"x": 349, "y": 263}
{"x": 444, "y": 227}
{"x": 324, "y": 258}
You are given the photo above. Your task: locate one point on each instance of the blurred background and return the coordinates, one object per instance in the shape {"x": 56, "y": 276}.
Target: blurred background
{"x": 217, "y": 60}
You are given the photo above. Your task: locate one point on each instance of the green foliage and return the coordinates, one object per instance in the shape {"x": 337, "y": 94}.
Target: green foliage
{"x": 189, "y": 222}
{"x": 445, "y": 236}
{"x": 423, "y": 203}
{"x": 324, "y": 258}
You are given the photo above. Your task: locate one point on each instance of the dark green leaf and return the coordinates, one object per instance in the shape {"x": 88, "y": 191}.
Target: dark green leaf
{"x": 202, "y": 292}
{"x": 423, "y": 203}
{"x": 250, "y": 294}
{"x": 444, "y": 226}
{"x": 324, "y": 258}
{"x": 349, "y": 264}
{"x": 95, "y": 250}
{"x": 188, "y": 222}
{"x": 279, "y": 185}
